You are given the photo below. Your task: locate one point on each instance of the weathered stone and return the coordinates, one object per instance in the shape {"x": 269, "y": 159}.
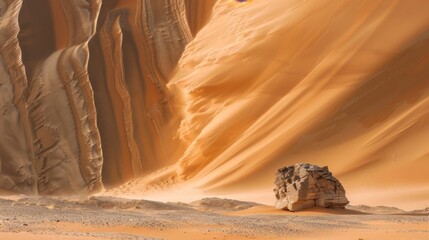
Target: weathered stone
{"x": 304, "y": 186}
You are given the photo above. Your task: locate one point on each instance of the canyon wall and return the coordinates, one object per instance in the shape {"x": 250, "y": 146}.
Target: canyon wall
{"x": 83, "y": 96}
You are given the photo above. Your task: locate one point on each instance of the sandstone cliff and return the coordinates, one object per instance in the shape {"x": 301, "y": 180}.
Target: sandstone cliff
{"x": 79, "y": 75}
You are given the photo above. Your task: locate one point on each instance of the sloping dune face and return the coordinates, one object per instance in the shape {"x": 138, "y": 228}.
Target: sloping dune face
{"x": 223, "y": 93}
{"x": 337, "y": 83}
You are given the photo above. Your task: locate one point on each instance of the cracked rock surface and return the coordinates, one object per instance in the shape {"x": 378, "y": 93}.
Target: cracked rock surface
{"x": 304, "y": 186}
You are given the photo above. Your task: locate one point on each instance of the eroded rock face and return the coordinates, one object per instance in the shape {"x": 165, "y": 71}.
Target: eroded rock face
{"x": 303, "y": 186}
{"x": 83, "y": 90}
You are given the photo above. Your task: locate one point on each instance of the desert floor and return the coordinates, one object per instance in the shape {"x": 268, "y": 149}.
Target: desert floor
{"x": 114, "y": 218}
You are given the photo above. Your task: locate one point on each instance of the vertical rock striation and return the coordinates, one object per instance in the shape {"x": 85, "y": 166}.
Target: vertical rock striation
{"x": 67, "y": 146}
{"x": 83, "y": 91}
{"x": 136, "y": 48}
{"x": 17, "y": 160}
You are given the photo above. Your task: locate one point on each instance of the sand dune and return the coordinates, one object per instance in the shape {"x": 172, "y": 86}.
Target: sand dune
{"x": 340, "y": 83}
{"x": 212, "y": 97}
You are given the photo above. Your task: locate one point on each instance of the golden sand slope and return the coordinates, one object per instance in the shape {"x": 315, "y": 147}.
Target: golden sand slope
{"x": 337, "y": 83}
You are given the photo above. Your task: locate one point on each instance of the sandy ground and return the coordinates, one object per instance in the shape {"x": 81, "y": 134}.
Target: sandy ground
{"x": 113, "y": 218}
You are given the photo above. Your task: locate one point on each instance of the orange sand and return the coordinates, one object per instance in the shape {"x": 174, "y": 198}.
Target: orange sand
{"x": 336, "y": 83}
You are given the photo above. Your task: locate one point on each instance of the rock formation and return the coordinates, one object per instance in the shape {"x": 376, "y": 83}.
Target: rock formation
{"x": 83, "y": 89}
{"x": 304, "y": 186}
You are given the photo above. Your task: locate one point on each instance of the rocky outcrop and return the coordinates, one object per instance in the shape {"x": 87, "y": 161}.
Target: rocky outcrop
{"x": 303, "y": 186}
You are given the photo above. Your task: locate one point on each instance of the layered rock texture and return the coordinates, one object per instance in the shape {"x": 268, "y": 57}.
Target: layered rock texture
{"x": 216, "y": 93}
{"x": 83, "y": 97}
{"x": 304, "y": 186}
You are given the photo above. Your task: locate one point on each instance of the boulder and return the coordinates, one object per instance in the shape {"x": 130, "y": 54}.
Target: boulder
{"x": 304, "y": 186}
